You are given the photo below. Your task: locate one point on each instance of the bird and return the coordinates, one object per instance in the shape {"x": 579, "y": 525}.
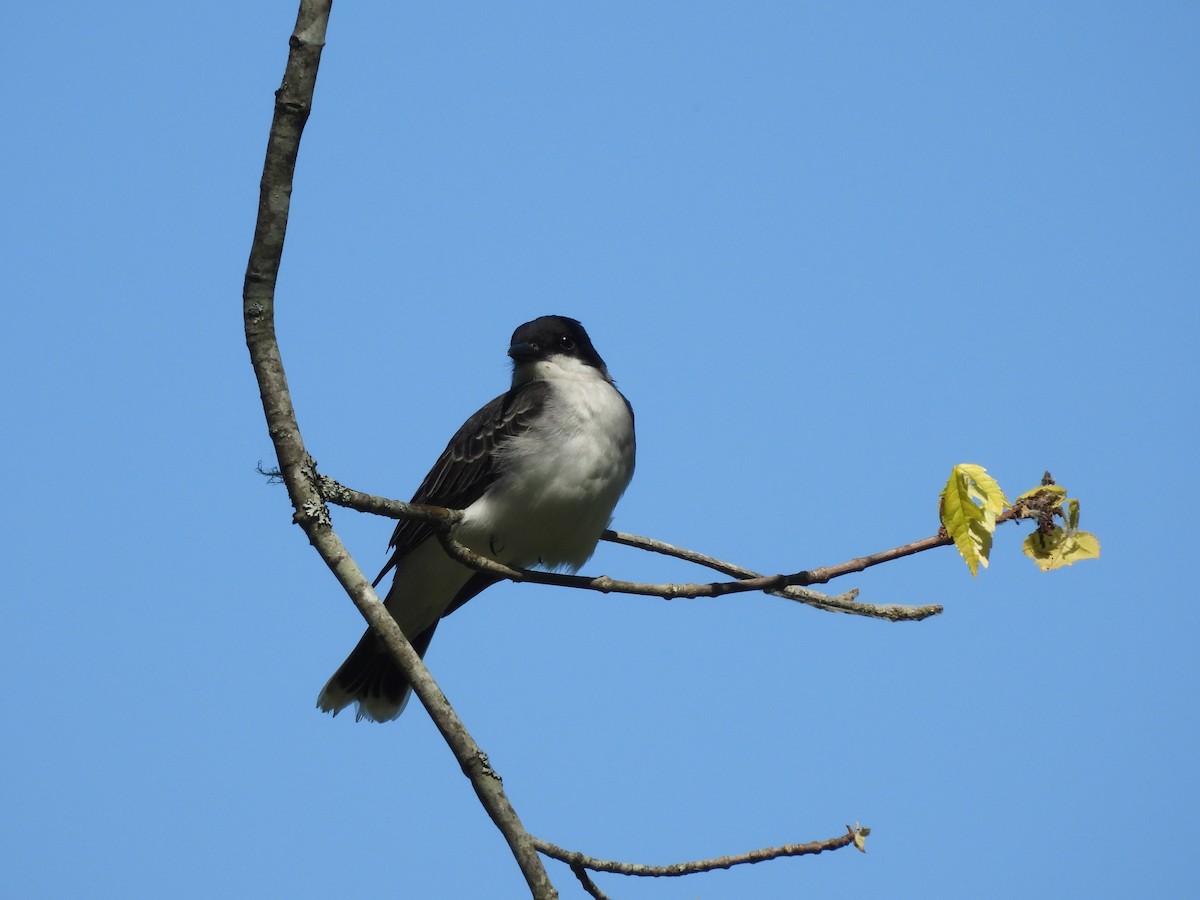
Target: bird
{"x": 537, "y": 473}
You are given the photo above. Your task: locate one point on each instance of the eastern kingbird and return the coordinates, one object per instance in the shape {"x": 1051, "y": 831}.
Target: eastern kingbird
{"x": 537, "y": 473}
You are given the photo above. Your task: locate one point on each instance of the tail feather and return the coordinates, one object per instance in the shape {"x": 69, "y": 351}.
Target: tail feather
{"x": 371, "y": 679}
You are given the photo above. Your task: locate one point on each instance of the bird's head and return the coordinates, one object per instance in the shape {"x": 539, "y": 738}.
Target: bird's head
{"x": 552, "y": 347}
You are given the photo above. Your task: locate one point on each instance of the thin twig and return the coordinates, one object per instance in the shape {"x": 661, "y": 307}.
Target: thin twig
{"x": 293, "y": 102}
{"x": 586, "y": 880}
{"x": 843, "y": 603}
{"x": 576, "y": 859}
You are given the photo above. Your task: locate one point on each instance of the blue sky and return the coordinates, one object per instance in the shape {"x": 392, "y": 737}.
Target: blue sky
{"x": 828, "y": 251}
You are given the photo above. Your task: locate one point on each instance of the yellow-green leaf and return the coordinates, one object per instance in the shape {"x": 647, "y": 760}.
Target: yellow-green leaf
{"x": 971, "y": 501}
{"x": 1061, "y": 547}
{"x": 981, "y": 487}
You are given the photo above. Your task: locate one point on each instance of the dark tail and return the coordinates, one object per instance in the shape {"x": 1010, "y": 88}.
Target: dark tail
{"x": 369, "y": 678}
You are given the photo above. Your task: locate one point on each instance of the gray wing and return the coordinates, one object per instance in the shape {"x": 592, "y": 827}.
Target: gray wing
{"x": 466, "y": 467}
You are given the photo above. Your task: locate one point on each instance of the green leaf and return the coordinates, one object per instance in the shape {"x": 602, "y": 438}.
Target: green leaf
{"x": 971, "y": 501}
{"x": 1073, "y": 514}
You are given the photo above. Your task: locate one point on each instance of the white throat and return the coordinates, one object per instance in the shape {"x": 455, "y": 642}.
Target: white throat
{"x": 558, "y": 368}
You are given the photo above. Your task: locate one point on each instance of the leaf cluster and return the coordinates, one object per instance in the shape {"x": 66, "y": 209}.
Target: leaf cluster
{"x": 972, "y": 504}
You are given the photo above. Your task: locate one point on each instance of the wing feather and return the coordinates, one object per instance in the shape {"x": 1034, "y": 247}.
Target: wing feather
{"x": 466, "y": 467}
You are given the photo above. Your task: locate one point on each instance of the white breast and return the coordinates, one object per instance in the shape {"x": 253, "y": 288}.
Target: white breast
{"x": 561, "y": 480}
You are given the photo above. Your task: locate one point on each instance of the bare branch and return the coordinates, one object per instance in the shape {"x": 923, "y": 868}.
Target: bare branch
{"x": 828, "y": 573}
{"x": 772, "y": 584}
{"x": 790, "y": 587}
{"x": 843, "y": 603}
{"x": 577, "y": 861}
{"x": 293, "y": 101}
{"x": 340, "y": 495}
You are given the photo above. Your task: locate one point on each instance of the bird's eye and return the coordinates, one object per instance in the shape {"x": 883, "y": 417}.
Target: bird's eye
{"x": 566, "y": 342}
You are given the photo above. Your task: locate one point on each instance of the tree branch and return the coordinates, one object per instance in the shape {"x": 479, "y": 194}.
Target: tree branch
{"x": 340, "y": 495}
{"x": 293, "y": 102}
{"x": 578, "y": 861}
{"x": 843, "y": 603}
{"x": 790, "y": 587}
